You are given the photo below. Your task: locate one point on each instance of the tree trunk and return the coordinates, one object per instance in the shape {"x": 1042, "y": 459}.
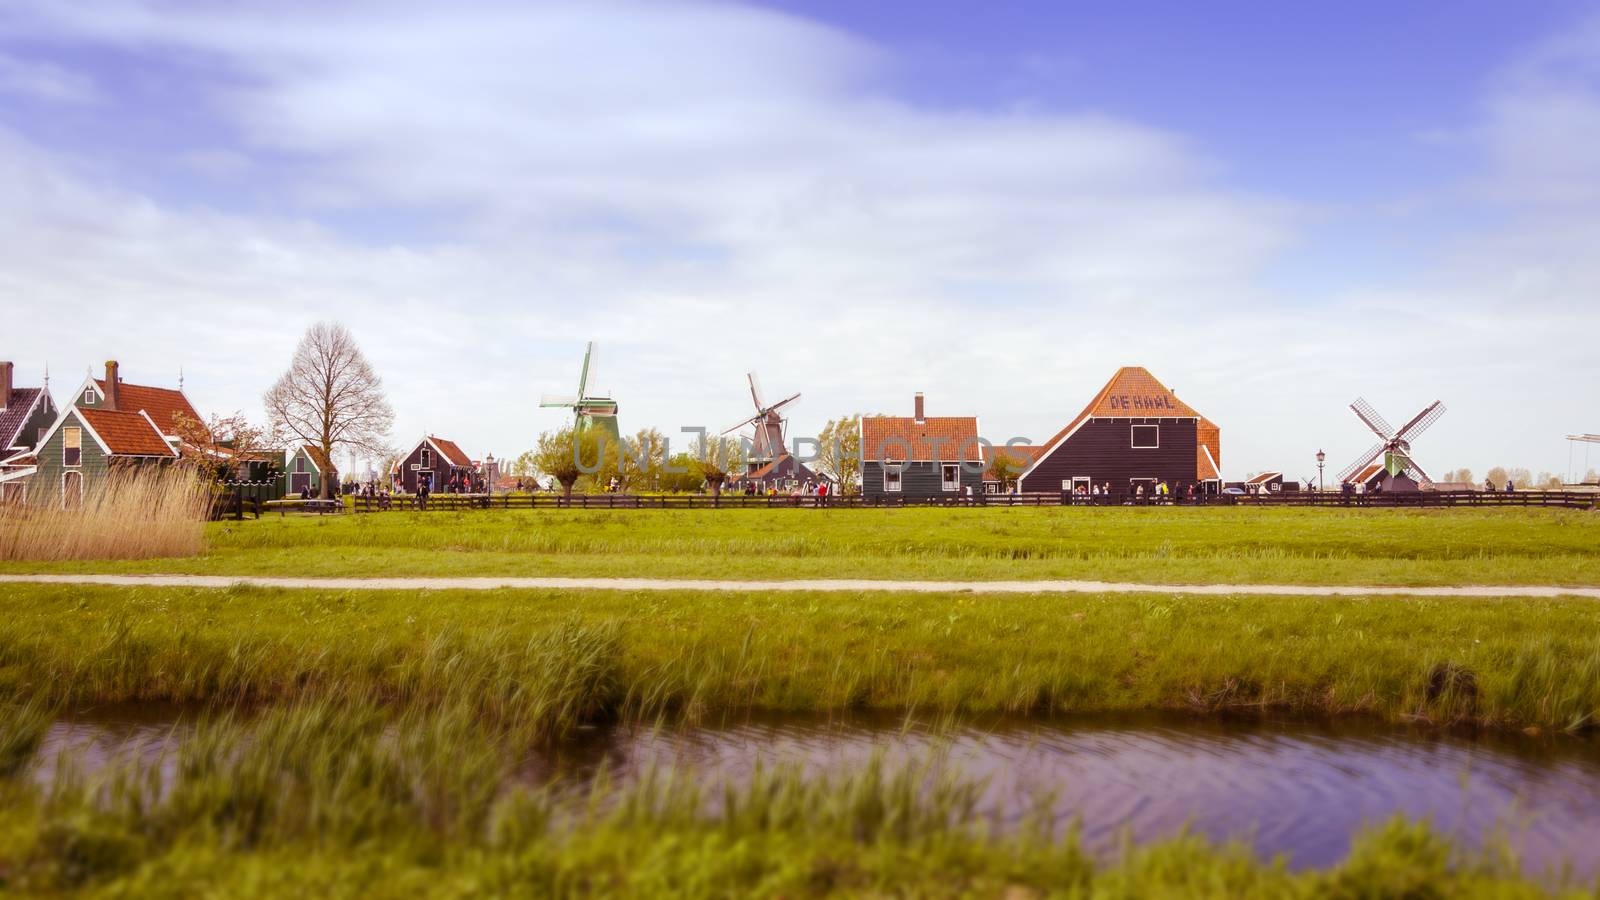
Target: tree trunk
{"x": 716, "y": 485}
{"x": 566, "y": 488}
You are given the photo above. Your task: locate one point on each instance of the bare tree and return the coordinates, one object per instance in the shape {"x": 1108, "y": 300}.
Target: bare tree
{"x": 331, "y": 398}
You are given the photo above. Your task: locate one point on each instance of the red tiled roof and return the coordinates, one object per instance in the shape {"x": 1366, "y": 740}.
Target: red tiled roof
{"x": 889, "y": 438}
{"x": 126, "y": 433}
{"x": 317, "y": 458}
{"x": 1131, "y": 393}
{"x": 161, "y": 403}
{"x": 1264, "y": 477}
{"x": 1208, "y": 437}
{"x": 451, "y": 452}
{"x": 1367, "y": 474}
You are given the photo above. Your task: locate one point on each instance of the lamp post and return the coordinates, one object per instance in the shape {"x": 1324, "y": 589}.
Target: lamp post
{"x": 1320, "y": 458}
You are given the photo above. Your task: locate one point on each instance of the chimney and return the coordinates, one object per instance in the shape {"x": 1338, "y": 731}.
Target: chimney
{"x": 921, "y": 417}
{"x": 112, "y": 379}
{"x": 5, "y": 384}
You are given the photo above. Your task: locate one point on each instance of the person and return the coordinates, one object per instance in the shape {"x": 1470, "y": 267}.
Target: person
{"x": 1509, "y": 486}
{"x": 1488, "y": 485}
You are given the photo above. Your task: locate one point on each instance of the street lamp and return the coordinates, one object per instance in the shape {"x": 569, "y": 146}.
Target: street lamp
{"x": 1320, "y": 458}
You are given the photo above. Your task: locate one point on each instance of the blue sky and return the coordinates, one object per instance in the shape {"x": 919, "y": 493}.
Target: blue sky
{"x": 1273, "y": 209}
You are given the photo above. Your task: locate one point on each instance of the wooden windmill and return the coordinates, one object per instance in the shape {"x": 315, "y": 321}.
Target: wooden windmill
{"x": 770, "y": 425}
{"x": 1393, "y": 446}
{"x": 588, "y": 410}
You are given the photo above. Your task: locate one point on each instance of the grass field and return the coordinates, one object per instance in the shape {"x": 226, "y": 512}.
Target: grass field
{"x": 1164, "y": 545}
{"x": 543, "y": 662}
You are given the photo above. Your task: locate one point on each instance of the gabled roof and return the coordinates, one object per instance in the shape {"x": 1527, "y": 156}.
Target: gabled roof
{"x": 1208, "y": 452}
{"x": 18, "y": 409}
{"x": 161, "y": 403}
{"x": 450, "y": 451}
{"x": 1365, "y": 475}
{"x": 1264, "y": 477}
{"x": 903, "y": 438}
{"x": 1133, "y": 393}
{"x": 319, "y": 461}
{"x": 124, "y": 433}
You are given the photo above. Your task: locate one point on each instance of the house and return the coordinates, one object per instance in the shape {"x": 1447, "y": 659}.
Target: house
{"x": 1264, "y": 483}
{"x": 25, "y": 416}
{"x": 783, "y": 473}
{"x": 305, "y": 469}
{"x": 920, "y": 456}
{"x": 1135, "y": 432}
{"x": 1375, "y": 478}
{"x": 434, "y": 461}
{"x": 110, "y": 425}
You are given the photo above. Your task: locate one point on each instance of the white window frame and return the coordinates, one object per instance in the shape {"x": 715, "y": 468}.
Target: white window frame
{"x": 79, "y": 473}
{"x": 426, "y": 458}
{"x": 89, "y": 396}
{"x": 1133, "y": 431}
{"x": 946, "y": 484}
{"x": 899, "y": 478}
{"x": 65, "y": 429}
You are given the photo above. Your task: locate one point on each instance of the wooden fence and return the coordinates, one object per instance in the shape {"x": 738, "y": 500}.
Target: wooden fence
{"x": 1419, "y": 499}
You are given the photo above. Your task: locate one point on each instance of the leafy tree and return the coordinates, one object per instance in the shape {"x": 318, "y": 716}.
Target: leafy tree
{"x": 839, "y": 452}
{"x": 717, "y": 458}
{"x": 1007, "y": 468}
{"x": 682, "y": 474}
{"x": 331, "y": 398}
{"x": 564, "y": 454}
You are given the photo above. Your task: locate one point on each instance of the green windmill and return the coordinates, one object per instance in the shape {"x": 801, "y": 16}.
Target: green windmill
{"x": 588, "y": 410}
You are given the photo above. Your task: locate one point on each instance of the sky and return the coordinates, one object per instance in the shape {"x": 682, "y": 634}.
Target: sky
{"x": 1274, "y": 210}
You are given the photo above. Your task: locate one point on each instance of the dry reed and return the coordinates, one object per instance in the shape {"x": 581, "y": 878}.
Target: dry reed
{"x": 134, "y": 513}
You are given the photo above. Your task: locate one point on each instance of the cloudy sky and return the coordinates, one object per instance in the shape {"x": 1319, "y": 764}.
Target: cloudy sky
{"x": 1273, "y": 210}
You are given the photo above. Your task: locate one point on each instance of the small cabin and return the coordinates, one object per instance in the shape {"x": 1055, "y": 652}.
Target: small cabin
{"x": 305, "y": 469}
{"x": 434, "y": 463}
{"x": 920, "y": 456}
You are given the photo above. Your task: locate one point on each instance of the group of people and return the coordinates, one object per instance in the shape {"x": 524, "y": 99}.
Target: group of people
{"x": 1140, "y": 492}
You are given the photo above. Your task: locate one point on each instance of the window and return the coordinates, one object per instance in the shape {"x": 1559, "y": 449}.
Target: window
{"x": 891, "y": 479}
{"x": 950, "y": 477}
{"x": 71, "y": 490}
{"x": 72, "y": 447}
{"x": 427, "y": 458}
{"x": 1146, "y": 437}
{"x": 88, "y": 396}
{"x": 299, "y": 463}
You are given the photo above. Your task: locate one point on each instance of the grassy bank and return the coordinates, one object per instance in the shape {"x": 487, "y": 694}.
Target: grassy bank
{"x": 334, "y": 799}
{"x": 1168, "y": 545}
{"x": 545, "y": 661}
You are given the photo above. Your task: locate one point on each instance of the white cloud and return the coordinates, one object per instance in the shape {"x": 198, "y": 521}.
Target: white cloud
{"x": 44, "y": 81}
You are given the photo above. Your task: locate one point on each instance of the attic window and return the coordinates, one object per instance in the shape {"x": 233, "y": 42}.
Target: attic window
{"x": 1146, "y": 437}
{"x": 71, "y": 447}
{"x": 88, "y": 396}
{"x": 427, "y": 458}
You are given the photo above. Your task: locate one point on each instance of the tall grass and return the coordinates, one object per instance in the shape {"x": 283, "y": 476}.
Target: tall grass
{"x": 546, "y": 662}
{"x": 134, "y": 513}
{"x": 335, "y": 799}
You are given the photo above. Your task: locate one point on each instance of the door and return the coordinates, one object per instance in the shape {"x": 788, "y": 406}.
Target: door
{"x": 299, "y": 482}
{"x": 72, "y": 490}
{"x": 950, "y": 477}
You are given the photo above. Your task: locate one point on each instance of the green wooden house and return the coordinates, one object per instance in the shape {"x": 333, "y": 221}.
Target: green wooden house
{"x": 85, "y": 445}
{"x": 305, "y": 469}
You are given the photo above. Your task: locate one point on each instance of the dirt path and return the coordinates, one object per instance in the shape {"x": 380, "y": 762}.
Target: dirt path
{"x": 832, "y": 585}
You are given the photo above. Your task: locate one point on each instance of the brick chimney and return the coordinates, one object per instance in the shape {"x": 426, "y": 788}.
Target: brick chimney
{"x": 5, "y": 384}
{"x": 921, "y": 416}
{"x": 112, "y": 380}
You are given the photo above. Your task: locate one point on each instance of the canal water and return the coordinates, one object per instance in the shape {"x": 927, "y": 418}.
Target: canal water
{"x": 1297, "y": 788}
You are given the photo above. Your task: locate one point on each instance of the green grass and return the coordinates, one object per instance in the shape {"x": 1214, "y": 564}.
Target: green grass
{"x": 1165, "y": 545}
{"x": 545, "y": 661}
{"x": 332, "y": 799}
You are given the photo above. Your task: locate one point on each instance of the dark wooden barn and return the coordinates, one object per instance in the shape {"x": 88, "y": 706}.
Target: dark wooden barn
{"x": 1134, "y": 433}
{"x": 434, "y": 461}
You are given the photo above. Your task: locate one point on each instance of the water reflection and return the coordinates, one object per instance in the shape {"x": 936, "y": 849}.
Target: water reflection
{"x": 1288, "y": 787}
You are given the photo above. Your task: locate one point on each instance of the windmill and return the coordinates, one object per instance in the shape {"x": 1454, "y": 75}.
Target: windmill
{"x": 769, "y": 422}
{"x": 1394, "y": 445}
{"x": 588, "y": 410}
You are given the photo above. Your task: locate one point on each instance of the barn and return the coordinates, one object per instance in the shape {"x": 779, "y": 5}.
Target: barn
{"x": 1134, "y": 433}
{"x": 434, "y": 462}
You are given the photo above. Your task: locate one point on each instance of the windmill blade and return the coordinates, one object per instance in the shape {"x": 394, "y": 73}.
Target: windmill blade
{"x": 750, "y": 421}
{"x": 1415, "y": 471}
{"x": 1421, "y": 421}
{"x": 1366, "y": 459}
{"x": 1367, "y": 414}
{"x": 755, "y": 391}
{"x": 584, "y": 374}
{"x": 558, "y": 400}
{"x": 781, "y": 403}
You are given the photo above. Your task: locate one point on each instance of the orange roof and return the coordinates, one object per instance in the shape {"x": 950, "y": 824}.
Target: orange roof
{"x": 451, "y": 452}
{"x": 1365, "y": 475}
{"x": 1208, "y": 437}
{"x": 1131, "y": 393}
{"x": 317, "y": 457}
{"x": 161, "y": 403}
{"x": 126, "y": 433}
{"x": 892, "y": 437}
